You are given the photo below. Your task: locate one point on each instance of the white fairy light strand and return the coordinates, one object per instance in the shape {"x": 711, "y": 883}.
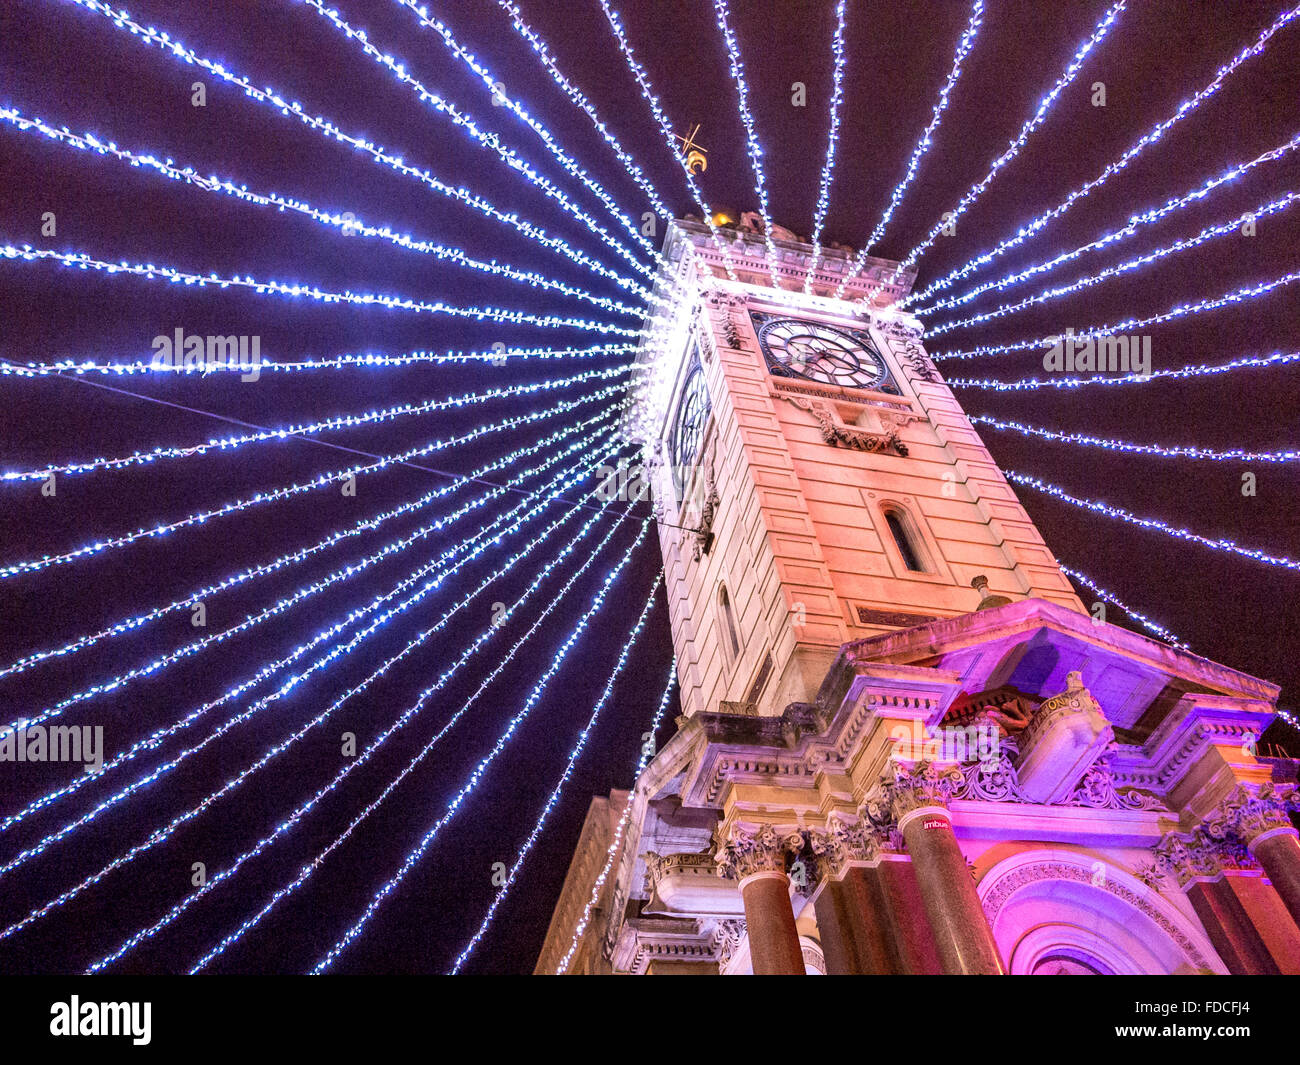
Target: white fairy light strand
{"x": 832, "y": 140}
{"x": 752, "y": 147}
{"x": 1135, "y": 222}
{"x": 84, "y": 261}
{"x": 504, "y": 888}
{"x": 1186, "y": 108}
{"x": 666, "y": 131}
{"x": 1045, "y": 105}
{"x": 162, "y": 834}
{"x": 504, "y": 99}
{"x": 80, "y": 367}
{"x": 1119, "y": 513}
{"x": 342, "y": 421}
{"x": 1154, "y": 627}
{"x": 1277, "y": 358}
{"x": 301, "y": 811}
{"x": 964, "y": 46}
{"x": 439, "y": 566}
{"x": 491, "y": 141}
{"x": 1151, "y": 626}
{"x": 642, "y": 761}
{"x": 151, "y": 742}
{"x": 344, "y": 222}
{"x": 310, "y": 867}
{"x": 280, "y": 606}
{"x": 1178, "y": 452}
{"x": 579, "y": 100}
{"x": 328, "y": 129}
{"x": 346, "y": 940}
{"x": 276, "y": 494}
{"x": 1232, "y": 225}
{"x": 1247, "y": 292}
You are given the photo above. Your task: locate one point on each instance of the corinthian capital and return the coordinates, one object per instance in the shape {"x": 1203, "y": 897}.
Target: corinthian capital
{"x": 759, "y": 850}
{"x": 1185, "y": 857}
{"x": 1249, "y": 811}
{"x": 842, "y": 841}
{"x": 904, "y": 788}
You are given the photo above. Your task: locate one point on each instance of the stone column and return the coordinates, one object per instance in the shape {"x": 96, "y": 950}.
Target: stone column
{"x": 1200, "y": 866}
{"x": 1257, "y": 816}
{"x": 757, "y": 859}
{"x": 915, "y": 799}
{"x": 850, "y": 917}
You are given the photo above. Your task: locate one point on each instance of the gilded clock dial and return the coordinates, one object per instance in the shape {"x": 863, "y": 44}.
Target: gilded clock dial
{"x": 818, "y": 352}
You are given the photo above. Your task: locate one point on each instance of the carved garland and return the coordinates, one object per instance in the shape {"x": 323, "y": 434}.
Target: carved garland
{"x": 835, "y": 432}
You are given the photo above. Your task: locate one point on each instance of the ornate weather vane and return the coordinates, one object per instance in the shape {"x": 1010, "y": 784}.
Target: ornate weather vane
{"x": 695, "y": 155}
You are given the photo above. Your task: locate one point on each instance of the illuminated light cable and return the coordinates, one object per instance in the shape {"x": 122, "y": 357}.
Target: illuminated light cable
{"x": 556, "y": 486}
{"x": 752, "y": 147}
{"x": 504, "y": 888}
{"x": 310, "y": 867}
{"x": 1234, "y": 455}
{"x": 292, "y": 558}
{"x": 276, "y": 494}
{"x": 343, "y": 421}
{"x": 1151, "y": 626}
{"x": 501, "y": 97}
{"x": 280, "y": 606}
{"x": 80, "y": 367}
{"x": 832, "y": 141}
{"x": 332, "y": 955}
{"x": 1233, "y": 225}
{"x": 161, "y": 834}
{"x": 1119, "y": 328}
{"x": 1278, "y": 358}
{"x": 26, "y": 253}
{"x": 302, "y": 810}
{"x": 579, "y": 100}
{"x": 487, "y": 140}
{"x": 1184, "y": 109}
{"x": 1045, "y": 105}
{"x": 273, "y": 99}
{"x": 621, "y": 827}
{"x": 923, "y": 145}
{"x": 345, "y": 222}
{"x": 1135, "y": 222}
{"x": 666, "y": 130}
{"x": 1098, "y": 507}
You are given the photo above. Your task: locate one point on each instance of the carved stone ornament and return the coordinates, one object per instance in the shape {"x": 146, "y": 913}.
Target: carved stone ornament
{"x": 727, "y": 937}
{"x": 909, "y": 352}
{"x": 1250, "y": 811}
{"x": 1196, "y": 855}
{"x": 764, "y": 849}
{"x": 842, "y": 841}
{"x": 997, "y": 780}
{"x": 835, "y": 431}
{"x": 905, "y": 788}
{"x": 703, "y": 533}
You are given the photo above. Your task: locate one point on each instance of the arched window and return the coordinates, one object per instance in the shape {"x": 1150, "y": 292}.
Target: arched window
{"x": 727, "y": 617}
{"x": 904, "y": 538}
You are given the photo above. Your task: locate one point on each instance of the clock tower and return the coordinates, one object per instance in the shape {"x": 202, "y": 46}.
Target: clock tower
{"x": 904, "y": 745}
{"x": 815, "y": 480}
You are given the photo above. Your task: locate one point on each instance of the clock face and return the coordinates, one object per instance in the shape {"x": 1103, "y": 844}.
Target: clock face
{"x": 818, "y": 352}
{"x": 692, "y": 415}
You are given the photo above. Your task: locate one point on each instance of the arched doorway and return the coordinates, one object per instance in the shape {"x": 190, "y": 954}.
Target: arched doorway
{"x": 1059, "y": 913}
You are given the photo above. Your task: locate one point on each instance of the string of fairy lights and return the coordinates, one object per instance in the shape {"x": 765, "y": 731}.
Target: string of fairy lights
{"x": 529, "y": 514}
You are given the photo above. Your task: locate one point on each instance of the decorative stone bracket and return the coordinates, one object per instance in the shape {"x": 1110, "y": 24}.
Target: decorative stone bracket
{"x": 836, "y": 431}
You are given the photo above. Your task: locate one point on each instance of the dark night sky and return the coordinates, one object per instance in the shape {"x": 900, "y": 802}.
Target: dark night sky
{"x": 71, "y": 67}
